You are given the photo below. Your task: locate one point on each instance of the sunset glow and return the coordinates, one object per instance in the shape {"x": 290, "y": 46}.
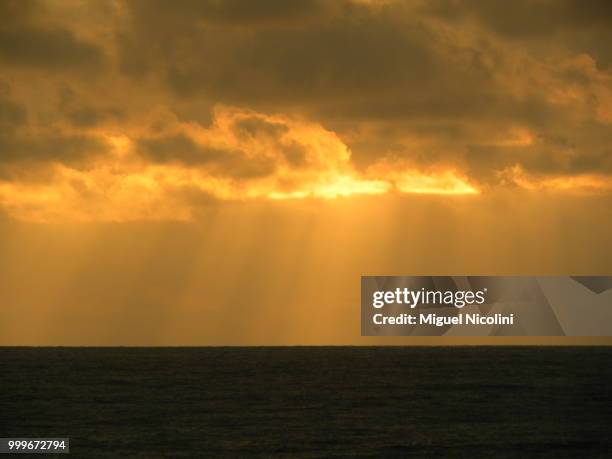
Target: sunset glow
{"x": 167, "y": 164}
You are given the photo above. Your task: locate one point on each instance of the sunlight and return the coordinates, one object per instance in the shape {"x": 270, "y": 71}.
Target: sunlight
{"x": 438, "y": 183}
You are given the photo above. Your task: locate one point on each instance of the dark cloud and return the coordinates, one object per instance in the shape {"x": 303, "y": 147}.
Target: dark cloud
{"x": 354, "y": 54}
{"x": 357, "y": 64}
{"x": 234, "y": 12}
{"x": 180, "y": 149}
{"x": 196, "y": 197}
{"x": 525, "y": 18}
{"x": 255, "y": 127}
{"x": 18, "y": 10}
{"x": 49, "y": 147}
{"x": 158, "y": 27}
{"x": 295, "y": 154}
{"x": 53, "y": 48}
{"x": 588, "y": 152}
{"x": 25, "y": 40}
{"x": 30, "y": 140}
{"x": 83, "y": 114}
{"x": 11, "y": 114}
{"x": 579, "y": 25}
{"x": 253, "y": 13}
{"x": 437, "y": 82}
{"x": 87, "y": 116}
{"x": 312, "y": 65}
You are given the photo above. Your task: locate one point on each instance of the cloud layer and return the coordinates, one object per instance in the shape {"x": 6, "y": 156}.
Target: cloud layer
{"x": 151, "y": 110}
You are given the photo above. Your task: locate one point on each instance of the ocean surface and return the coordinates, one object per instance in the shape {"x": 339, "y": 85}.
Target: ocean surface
{"x": 308, "y": 402}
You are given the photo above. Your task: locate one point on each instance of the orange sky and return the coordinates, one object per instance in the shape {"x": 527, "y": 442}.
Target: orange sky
{"x": 223, "y": 172}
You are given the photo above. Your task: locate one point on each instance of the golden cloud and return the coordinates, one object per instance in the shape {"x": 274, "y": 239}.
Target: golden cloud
{"x": 576, "y": 184}
{"x": 166, "y": 174}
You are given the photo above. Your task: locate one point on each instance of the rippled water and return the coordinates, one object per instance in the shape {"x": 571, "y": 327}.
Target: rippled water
{"x": 312, "y": 401}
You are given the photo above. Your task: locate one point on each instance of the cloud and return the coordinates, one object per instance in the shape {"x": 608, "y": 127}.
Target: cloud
{"x": 409, "y": 67}
{"x": 22, "y": 142}
{"x": 538, "y": 24}
{"x": 528, "y": 18}
{"x": 236, "y": 12}
{"x": 67, "y": 149}
{"x": 180, "y": 149}
{"x": 242, "y": 156}
{"x": 11, "y": 114}
{"x": 203, "y": 103}
{"x": 344, "y": 51}
{"x": 25, "y": 40}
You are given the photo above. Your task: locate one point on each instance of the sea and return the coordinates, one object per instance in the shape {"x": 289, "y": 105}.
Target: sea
{"x": 312, "y": 402}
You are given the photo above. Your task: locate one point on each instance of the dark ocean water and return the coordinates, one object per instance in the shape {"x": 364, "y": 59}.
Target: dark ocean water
{"x": 312, "y": 401}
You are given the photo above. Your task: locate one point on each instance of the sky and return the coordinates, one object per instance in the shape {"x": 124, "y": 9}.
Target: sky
{"x": 223, "y": 172}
